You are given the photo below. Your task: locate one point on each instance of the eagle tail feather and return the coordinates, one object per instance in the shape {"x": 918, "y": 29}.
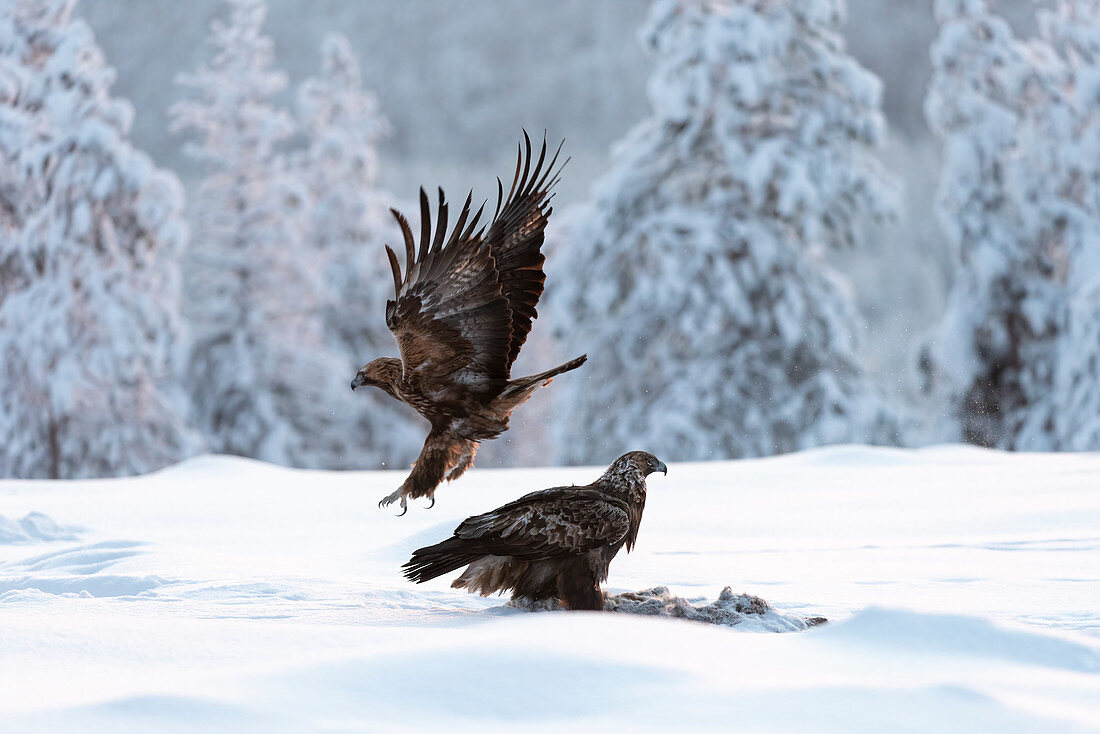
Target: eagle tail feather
{"x": 435, "y": 560}
{"x": 518, "y": 391}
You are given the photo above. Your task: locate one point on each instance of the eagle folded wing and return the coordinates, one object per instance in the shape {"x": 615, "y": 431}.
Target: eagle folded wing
{"x": 451, "y": 321}
{"x": 515, "y": 238}
{"x": 555, "y": 522}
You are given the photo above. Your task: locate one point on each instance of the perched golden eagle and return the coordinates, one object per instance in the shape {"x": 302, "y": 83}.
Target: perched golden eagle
{"x": 462, "y": 310}
{"x": 557, "y": 543}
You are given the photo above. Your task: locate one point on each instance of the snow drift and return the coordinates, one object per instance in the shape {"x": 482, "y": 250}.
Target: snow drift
{"x": 236, "y": 596}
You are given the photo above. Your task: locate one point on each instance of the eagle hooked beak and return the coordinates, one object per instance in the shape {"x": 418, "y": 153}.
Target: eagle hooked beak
{"x": 662, "y": 468}
{"x": 357, "y": 382}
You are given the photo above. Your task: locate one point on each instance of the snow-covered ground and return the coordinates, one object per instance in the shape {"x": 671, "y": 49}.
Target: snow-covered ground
{"x": 228, "y": 595}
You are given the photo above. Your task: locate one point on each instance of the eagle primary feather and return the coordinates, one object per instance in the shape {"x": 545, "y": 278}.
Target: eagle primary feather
{"x": 462, "y": 309}
{"x": 557, "y": 543}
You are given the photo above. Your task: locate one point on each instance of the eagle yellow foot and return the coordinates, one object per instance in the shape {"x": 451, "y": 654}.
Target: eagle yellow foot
{"x": 396, "y": 496}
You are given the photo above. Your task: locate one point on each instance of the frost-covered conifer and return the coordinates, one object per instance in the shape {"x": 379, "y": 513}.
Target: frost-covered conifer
{"x": 264, "y": 382}
{"x": 348, "y": 225}
{"x": 1072, "y": 29}
{"x": 90, "y": 236}
{"x": 695, "y": 279}
{"x": 1000, "y": 107}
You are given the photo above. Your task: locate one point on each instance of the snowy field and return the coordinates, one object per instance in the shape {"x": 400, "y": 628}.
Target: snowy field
{"x": 963, "y": 589}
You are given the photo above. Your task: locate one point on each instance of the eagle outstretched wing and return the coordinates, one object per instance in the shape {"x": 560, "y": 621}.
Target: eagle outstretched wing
{"x": 463, "y": 308}
{"x": 554, "y": 522}
{"x": 451, "y": 321}
{"x": 516, "y": 234}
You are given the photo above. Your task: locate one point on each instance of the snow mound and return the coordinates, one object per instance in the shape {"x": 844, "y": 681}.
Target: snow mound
{"x": 78, "y": 571}
{"x": 913, "y": 632}
{"x": 744, "y": 611}
{"x": 226, "y": 595}
{"x": 98, "y": 586}
{"x": 34, "y": 528}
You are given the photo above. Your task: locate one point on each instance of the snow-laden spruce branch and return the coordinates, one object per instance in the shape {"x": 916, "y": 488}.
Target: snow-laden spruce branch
{"x": 1015, "y": 357}
{"x": 281, "y": 288}
{"x": 695, "y": 276}
{"x": 91, "y": 237}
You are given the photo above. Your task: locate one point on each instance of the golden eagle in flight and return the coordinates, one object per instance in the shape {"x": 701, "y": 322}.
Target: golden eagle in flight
{"x": 462, "y": 310}
{"x": 557, "y": 543}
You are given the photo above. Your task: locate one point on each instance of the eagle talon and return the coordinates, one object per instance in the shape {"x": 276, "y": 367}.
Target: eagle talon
{"x": 432, "y": 504}
{"x": 396, "y": 496}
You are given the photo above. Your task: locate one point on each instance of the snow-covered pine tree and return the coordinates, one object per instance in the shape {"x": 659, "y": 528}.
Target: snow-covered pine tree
{"x": 999, "y": 106}
{"x": 1072, "y": 29}
{"x": 263, "y": 381}
{"x": 90, "y": 236}
{"x": 349, "y": 223}
{"x": 695, "y": 280}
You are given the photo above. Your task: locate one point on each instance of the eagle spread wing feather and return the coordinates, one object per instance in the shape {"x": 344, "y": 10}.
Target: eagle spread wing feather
{"x": 450, "y": 319}
{"x": 464, "y": 308}
{"x": 516, "y": 234}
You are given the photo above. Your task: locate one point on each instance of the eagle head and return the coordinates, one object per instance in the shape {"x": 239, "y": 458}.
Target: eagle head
{"x": 383, "y": 373}
{"x": 642, "y": 461}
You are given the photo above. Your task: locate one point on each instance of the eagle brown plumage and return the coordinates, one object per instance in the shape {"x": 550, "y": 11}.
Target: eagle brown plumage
{"x": 463, "y": 308}
{"x": 557, "y": 543}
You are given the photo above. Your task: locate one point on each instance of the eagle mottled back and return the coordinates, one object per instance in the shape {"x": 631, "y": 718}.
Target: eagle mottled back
{"x": 554, "y": 543}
